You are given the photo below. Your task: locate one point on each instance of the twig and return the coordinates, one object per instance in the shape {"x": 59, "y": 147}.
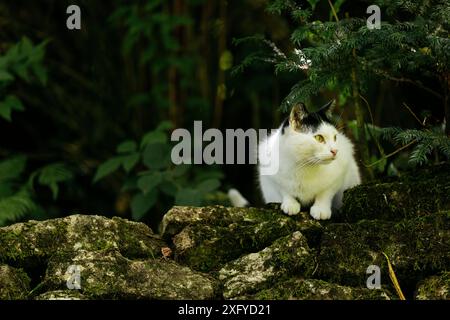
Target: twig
{"x": 334, "y": 11}
{"x": 394, "y": 278}
{"x": 391, "y": 154}
{"x": 414, "y": 115}
{"x": 416, "y": 83}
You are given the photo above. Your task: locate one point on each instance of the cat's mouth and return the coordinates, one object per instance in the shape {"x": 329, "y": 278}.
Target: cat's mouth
{"x": 327, "y": 160}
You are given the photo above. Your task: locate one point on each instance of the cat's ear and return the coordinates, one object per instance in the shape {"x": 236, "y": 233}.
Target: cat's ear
{"x": 326, "y": 110}
{"x": 298, "y": 112}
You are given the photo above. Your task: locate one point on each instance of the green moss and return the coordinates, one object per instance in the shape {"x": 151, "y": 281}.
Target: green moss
{"x": 416, "y": 194}
{"x": 107, "y": 274}
{"x": 416, "y": 248}
{"x": 14, "y": 283}
{"x": 213, "y": 246}
{"x": 312, "y": 289}
{"x": 434, "y": 288}
{"x": 286, "y": 257}
{"x": 137, "y": 241}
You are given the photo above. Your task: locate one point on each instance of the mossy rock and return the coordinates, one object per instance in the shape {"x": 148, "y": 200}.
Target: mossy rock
{"x": 314, "y": 289}
{"x": 434, "y": 288}
{"x": 106, "y": 274}
{"x": 287, "y": 256}
{"x": 32, "y": 243}
{"x": 61, "y": 295}
{"x": 209, "y": 237}
{"x": 14, "y": 283}
{"x": 416, "y": 248}
{"x": 415, "y": 194}
{"x": 179, "y": 217}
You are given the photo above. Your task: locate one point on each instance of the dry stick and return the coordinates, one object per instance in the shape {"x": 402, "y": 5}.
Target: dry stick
{"x": 373, "y": 124}
{"x": 394, "y": 278}
{"x": 391, "y": 154}
{"x": 414, "y": 115}
{"x": 334, "y": 11}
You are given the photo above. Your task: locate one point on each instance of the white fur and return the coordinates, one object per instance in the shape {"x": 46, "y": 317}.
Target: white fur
{"x": 308, "y": 172}
{"x": 236, "y": 198}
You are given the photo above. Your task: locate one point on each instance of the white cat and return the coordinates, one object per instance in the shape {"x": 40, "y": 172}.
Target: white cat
{"x": 316, "y": 164}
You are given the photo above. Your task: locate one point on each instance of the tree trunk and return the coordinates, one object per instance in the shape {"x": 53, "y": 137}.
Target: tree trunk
{"x": 222, "y": 46}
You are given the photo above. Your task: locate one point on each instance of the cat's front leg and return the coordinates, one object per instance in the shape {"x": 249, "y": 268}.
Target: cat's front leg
{"x": 290, "y": 206}
{"x": 321, "y": 210}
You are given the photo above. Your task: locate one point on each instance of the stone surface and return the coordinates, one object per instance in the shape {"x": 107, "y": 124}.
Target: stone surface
{"x": 285, "y": 257}
{"x": 61, "y": 295}
{"x": 28, "y": 244}
{"x": 211, "y": 236}
{"x": 416, "y": 248}
{"x": 14, "y": 283}
{"x": 106, "y": 274}
{"x": 314, "y": 289}
{"x": 415, "y": 194}
{"x": 434, "y": 288}
{"x": 217, "y": 252}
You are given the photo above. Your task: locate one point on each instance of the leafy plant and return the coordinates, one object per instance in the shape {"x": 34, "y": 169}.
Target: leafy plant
{"x": 151, "y": 174}
{"x": 24, "y": 61}
{"x": 427, "y": 142}
{"x": 18, "y": 198}
{"x": 345, "y": 56}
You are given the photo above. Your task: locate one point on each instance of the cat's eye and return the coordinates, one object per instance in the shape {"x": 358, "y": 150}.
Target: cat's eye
{"x": 319, "y": 138}
{"x": 335, "y": 137}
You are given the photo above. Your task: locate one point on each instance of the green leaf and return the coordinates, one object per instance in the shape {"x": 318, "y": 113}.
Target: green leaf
{"x": 169, "y": 188}
{"x": 6, "y": 76}
{"x": 180, "y": 170}
{"x": 107, "y": 168}
{"x": 157, "y": 156}
{"x": 127, "y": 146}
{"x": 188, "y": 197}
{"x": 154, "y": 137}
{"x": 129, "y": 184}
{"x": 141, "y": 204}
{"x": 53, "y": 174}
{"x": 6, "y": 189}
{"x": 149, "y": 181}
{"x": 16, "y": 207}
{"x": 208, "y": 185}
{"x": 12, "y": 168}
{"x": 130, "y": 161}
{"x": 164, "y": 126}
{"x": 8, "y": 105}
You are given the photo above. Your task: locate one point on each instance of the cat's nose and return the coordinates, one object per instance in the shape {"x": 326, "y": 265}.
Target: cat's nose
{"x": 334, "y": 152}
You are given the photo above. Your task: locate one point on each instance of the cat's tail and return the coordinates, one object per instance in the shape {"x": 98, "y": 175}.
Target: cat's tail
{"x": 237, "y": 199}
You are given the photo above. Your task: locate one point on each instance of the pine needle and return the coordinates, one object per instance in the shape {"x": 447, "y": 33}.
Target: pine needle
{"x": 394, "y": 278}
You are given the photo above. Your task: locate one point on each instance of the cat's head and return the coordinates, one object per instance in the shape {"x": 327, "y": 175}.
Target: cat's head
{"x": 311, "y": 135}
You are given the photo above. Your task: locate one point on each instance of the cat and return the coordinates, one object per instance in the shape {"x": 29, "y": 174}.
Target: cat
{"x": 316, "y": 163}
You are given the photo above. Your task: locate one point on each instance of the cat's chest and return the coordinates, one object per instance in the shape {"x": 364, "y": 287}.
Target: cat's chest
{"x": 306, "y": 184}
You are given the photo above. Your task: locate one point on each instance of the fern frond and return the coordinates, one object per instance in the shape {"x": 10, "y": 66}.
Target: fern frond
{"x": 16, "y": 207}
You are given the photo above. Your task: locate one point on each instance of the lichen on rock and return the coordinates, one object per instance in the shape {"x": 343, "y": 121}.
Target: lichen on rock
{"x": 434, "y": 288}
{"x": 286, "y": 256}
{"x": 30, "y": 243}
{"x": 415, "y": 194}
{"x": 416, "y": 248}
{"x": 314, "y": 289}
{"x": 61, "y": 295}
{"x": 106, "y": 274}
{"x": 217, "y": 252}
{"x": 14, "y": 283}
{"x": 212, "y": 236}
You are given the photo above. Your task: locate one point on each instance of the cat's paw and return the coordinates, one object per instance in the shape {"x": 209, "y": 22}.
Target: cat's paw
{"x": 290, "y": 206}
{"x": 320, "y": 212}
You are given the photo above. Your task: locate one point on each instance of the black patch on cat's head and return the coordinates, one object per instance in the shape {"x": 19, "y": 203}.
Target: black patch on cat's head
{"x": 310, "y": 120}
